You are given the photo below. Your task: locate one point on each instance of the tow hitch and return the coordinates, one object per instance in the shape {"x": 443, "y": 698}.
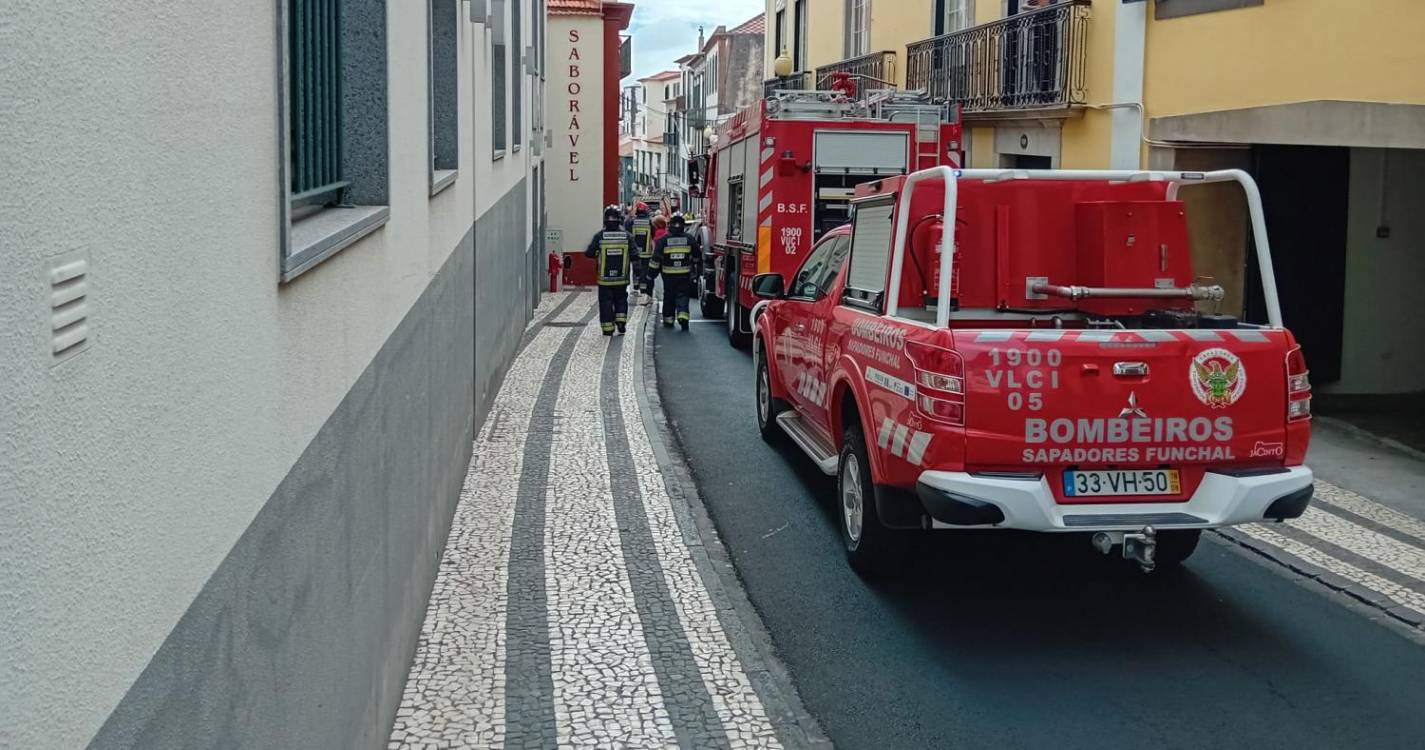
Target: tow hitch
{"x": 1140, "y": 546}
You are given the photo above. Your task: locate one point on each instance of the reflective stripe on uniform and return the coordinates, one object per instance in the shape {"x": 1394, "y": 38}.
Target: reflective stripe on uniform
{"x": 677, "y": 255}
{"x": 613, "y": 248}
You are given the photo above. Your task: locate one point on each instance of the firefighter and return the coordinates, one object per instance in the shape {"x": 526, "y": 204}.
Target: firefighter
{"x": 641, "y": 227}
{"x": 613, "y": 249}
{"x": 675, "y": 256}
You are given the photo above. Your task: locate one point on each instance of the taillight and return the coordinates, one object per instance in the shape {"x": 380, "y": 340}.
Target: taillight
{"x": 940, "y": 380}
{"x": 1298, "y": 387}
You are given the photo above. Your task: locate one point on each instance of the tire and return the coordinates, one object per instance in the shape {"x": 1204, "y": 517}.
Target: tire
{"x": 736, "y": 316}
{"x": 871, "y": 549}
{"x": 1174, "y": 547}
{"x": 768, "y": 406}
{"x": 708, "y": 302}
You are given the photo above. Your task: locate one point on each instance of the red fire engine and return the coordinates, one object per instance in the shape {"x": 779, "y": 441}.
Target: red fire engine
{"x": 1058, "y": 368}
{"x": 783, "y": 172}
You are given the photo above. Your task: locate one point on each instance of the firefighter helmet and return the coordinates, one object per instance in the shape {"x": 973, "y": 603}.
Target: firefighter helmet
{"x": 677, "y": 222}
{"x": 640, "y": 207}
{"x": 612, "y": 215}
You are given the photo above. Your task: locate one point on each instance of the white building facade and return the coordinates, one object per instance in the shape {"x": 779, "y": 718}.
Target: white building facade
{"x": 248, "y": 339}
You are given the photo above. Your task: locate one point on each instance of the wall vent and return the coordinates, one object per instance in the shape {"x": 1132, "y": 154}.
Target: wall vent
{"x": 69, "y": 306}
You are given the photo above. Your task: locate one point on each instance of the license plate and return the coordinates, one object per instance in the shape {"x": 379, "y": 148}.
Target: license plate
{"x": 1121, "y": 482}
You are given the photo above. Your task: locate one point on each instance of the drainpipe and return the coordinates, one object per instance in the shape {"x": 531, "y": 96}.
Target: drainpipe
{"x": 1130, "y": 30}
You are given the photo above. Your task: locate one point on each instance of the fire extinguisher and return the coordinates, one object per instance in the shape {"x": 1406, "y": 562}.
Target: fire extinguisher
{"x": 554, "y": 272}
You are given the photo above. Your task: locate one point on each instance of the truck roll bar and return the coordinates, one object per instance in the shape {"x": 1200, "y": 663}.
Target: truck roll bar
{"x": 1175, "y": 179}
{"x": 947, "y": 241}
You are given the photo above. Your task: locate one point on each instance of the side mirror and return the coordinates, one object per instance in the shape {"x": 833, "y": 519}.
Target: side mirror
{"x": 768, "y": 286}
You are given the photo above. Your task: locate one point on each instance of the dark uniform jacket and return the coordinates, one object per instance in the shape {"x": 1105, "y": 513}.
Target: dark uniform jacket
{"x": 675, "y": 254}
{"x": 641, "y": 227}
{"x": 613, "y": 249}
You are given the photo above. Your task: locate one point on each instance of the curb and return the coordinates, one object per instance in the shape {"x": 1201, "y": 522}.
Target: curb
{"x": 1370, "y": 437}
{"x": 794, "y": 725}
{"x": 1375, "y": 600}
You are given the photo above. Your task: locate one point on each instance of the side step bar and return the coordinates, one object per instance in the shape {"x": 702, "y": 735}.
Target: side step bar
{"x": 806, "y": 438}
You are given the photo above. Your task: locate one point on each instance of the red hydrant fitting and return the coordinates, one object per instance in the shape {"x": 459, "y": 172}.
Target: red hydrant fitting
{"x": 555, "y": 267}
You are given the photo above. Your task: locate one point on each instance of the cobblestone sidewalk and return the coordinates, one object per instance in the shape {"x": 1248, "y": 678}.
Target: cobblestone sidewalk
{"x": 576, "y": 604}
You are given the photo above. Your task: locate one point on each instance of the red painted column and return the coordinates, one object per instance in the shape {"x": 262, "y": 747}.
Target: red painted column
{"x": 616, "y": 19}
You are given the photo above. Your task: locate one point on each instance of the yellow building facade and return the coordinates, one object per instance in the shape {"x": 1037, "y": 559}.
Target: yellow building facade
{"x": 1322, "y": 101}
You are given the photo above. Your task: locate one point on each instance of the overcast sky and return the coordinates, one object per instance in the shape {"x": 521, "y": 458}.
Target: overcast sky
{"x": 665, "y": 30}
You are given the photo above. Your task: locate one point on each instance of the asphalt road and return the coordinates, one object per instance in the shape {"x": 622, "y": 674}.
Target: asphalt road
{"x": 992, "y": 640}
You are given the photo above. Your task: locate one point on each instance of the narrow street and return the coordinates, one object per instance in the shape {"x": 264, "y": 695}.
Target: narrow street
{"x": 576, "y": 603}
{"x": 992, "y": 640}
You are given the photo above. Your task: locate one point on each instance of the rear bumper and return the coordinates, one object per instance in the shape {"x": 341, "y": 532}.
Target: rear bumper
{"x": 956, "y": 499}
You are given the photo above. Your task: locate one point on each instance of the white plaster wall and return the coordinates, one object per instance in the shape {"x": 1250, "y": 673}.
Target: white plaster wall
{"x": 1381, "y": 346}
{"x": 576, "y": 208}
{"x": 495, "y": 177}
{"x": 144, "y": 135}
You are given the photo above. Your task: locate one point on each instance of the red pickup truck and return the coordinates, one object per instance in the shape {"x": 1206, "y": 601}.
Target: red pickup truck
{"x": 1052, "y": 364}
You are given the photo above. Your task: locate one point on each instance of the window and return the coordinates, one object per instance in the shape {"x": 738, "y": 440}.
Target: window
{"x": 314, "y": 89}
{"x": 812, "y": 281}
{"x": 780, "y": 37}
{"x": 442, "y": 17}
{"x": 858, "y": 27}
{"x": 499, "y": 89}
{"x": 734, "y": 213}
{"x": 870, "y": 251}
{"x": 799, "y": 35}
{"x": 835, "y": 261}
{"x": 953, "y": 15}
{"x": 332, "y": 100}
{"x": 517, "y": 80}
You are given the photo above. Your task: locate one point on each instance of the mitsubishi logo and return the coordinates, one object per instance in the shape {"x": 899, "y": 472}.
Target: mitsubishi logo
{"x": 1132, "y": 409}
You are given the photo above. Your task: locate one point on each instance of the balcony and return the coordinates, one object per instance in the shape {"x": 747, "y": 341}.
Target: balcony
{"x": 1029, "y": 66}
{"x": 874, "y": 70}
{"x": 799, "y": 81}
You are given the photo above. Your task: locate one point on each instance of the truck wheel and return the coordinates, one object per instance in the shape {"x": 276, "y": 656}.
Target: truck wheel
{"x": 735, "y": 314}
{"x": 768, "y": 406}
{"x": 871, "y": 548}
{"x": 708, "y": 302}
{"x": 1176, "y": 546}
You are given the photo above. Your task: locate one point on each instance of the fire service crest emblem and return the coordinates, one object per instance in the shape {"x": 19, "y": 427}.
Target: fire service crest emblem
{"x": 1218, "y": 378}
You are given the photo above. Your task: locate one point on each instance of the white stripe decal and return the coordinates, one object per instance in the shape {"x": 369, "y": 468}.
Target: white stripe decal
{"x": 918, "y": 443}
{"x": 1199, "y": 334}
{"x": 992, "y": 336}
{"x": 765, "y": 202}
{"x": 768, "y": 153}
{"x": 1098, "y": 337}
{"x": 898, "y": 444}
{"x": 1157, "y": 335}
{"x": 767, "y": 222}
{"x": 884, "y": 437}
{"x": 1249, "y": 336}
{"x": 766, "y": 178}
{"x": 1046, "y": 335}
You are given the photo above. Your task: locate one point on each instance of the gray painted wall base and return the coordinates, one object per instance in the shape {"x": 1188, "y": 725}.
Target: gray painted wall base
{"x": 303, "y": 636}
{"x": 502, "y": 303}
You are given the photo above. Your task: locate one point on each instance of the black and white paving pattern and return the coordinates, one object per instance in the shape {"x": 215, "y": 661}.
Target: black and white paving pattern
{"x": 1297, "y": 635}
{"x": 575, "y": 605}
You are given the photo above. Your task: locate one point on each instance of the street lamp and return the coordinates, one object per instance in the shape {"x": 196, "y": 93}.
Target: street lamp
{"x": 782, "y": 66}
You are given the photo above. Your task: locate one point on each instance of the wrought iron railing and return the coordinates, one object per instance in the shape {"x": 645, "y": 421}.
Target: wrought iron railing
{"x": 799, "y": 81}
{"x": 315, "y": 90}
{"x": 874, "y": 70}
{"x": 1030, "y": 60}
